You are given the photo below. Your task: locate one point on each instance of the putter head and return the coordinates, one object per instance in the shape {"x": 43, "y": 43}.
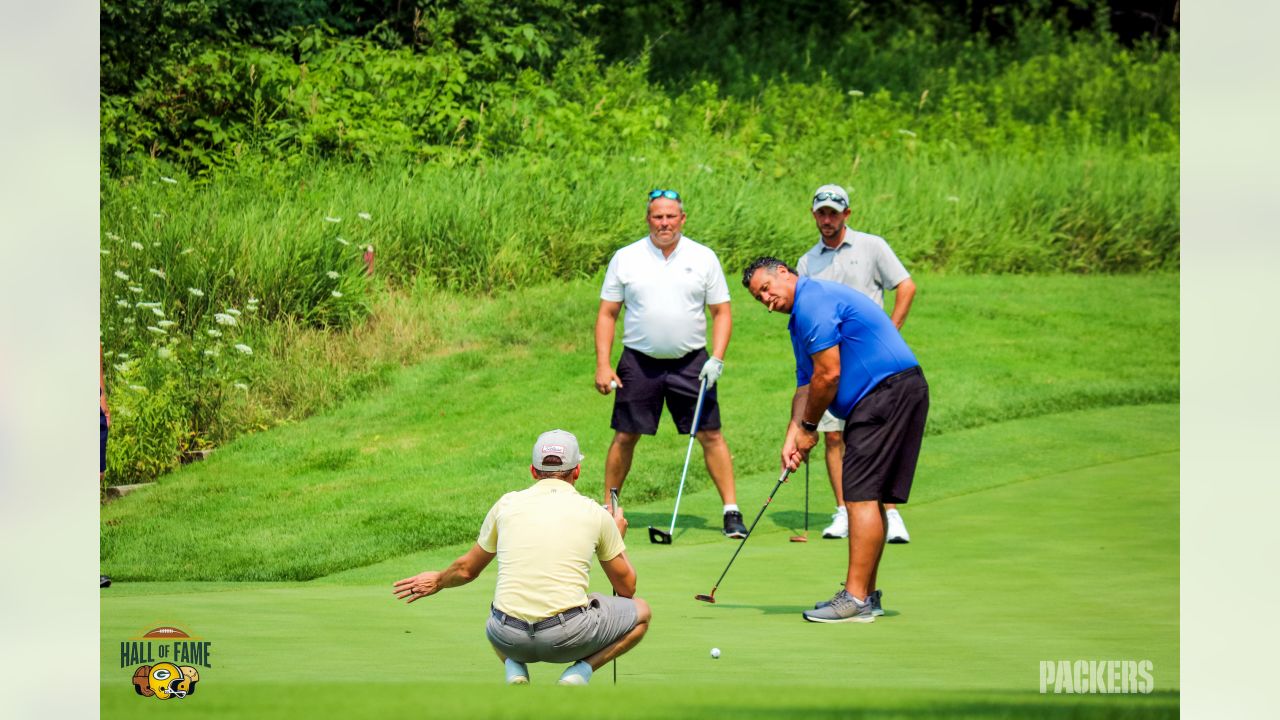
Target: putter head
{"x": 659, "y": 537}
{"x": 799, "y": 538}
{"x": 706, "y": 598}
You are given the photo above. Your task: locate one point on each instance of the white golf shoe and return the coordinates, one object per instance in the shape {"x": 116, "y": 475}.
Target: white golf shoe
{"x": 839, "y": 527}
{"x": 897, "y": 530}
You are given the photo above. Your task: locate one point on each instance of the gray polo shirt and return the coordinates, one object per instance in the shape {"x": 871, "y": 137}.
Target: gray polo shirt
{"x": 861, "y": 261}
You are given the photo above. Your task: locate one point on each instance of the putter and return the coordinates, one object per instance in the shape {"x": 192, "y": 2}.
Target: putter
{"x": 656, "y": 535}
{"x": 613, "y": 510}
{"x": 805, "y": 537}
{"x": 712, "y": 597}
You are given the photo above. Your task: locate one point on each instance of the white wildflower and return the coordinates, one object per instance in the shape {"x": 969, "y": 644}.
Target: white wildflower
{"x": 112, "y": 235}
{"x": 332, "y": 275}
{"x": 336, "y": 294}
{"x": 169, "y": 180}
{"x": 233, "y": 311}
{"x": 856, "y": 93}
{"x": 138, "y": 388}
{"x": 908, "y": 133}
{"x": 196, "y": 292}
{"x": 163, "y": 352}
{"x": 213, "y": 332}
{"x": 156, "y": 330}
{"x": 157, "y": 214}
{"x": 156, "y": 272}
{"x": 344, "y": 242}
{"x": 157, "y": 312}
{"x": 224, "y": 319}
{"x": 244, "y": 348}
{"x": 136, "y": 245}
{"x": 953, "y": 198}
{"x": 187, "y": 251}
{"x": 128, "y": 321}
{"x": 122, "y": 355}
{"x": 104, "y": 251}
{"x": 122, "y": 303}
{"x": 135, "y": 289}
{"x": 166, "y": 324}
{"x": 240, "y": 386}
{"x": 121, "y": 274}
{"x": 364, "y": 216}
{"x": 253, "y": 301}
{"x": 211, "y": 352}
{"x": 332, "y": 219}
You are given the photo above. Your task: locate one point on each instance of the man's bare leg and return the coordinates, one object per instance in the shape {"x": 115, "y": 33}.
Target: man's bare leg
{"x": 618, "y": 461}
{"x": 715, "y": 451}
{"x": 626, "y": 642}
{"x": 866, "y": 543}
{"x": 835, "y": 463}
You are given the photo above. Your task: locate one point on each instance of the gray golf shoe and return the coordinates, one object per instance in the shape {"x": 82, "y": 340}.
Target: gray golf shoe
{"x": 842, "y": 608}
{"x": 873, "y": 598}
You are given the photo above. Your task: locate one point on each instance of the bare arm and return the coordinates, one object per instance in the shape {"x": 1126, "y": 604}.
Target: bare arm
{"x": 621, "y": 575}
{"x": 809, "y": 402}
{"x": 466, "y": 568}
{"x": 606, "y": 325}
{"x": 721, "y": 329}
{"x": 903, "y": 295}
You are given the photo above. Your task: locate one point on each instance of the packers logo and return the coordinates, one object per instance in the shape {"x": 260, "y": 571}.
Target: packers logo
{"x": 165, "y": 681}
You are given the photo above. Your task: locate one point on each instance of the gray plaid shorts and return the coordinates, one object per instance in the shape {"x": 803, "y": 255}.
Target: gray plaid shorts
{"x": 604, "y": 620}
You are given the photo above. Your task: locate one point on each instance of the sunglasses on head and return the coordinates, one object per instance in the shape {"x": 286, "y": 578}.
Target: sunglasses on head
{"x": 825, "y": 196}
{"x": 668, "y": 194}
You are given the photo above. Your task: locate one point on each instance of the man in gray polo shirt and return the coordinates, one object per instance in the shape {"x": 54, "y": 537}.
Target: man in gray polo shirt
{"x": 668, "y": 284}
{"x": 867, "y": 264}
{"x": 544, "y": 538}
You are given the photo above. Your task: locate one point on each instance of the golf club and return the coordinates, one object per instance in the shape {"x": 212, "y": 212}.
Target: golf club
{"x": 805, "y": 537}
{"x": 656, "y": 535}
{"x": 613, "y": 510}
{"x": 712, "y": 597}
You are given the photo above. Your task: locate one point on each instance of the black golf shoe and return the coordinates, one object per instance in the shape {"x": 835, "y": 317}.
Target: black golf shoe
{"x": 733, "y": 526}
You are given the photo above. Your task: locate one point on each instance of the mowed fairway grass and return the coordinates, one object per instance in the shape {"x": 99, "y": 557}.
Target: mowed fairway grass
{"x": 1049, "y": 535}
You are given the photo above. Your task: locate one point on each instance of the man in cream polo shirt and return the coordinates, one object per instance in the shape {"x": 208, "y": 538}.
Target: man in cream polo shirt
{"x": 867, "y": 264}
{"x": 668, "y": 283}
{"x": 544, "y": 538}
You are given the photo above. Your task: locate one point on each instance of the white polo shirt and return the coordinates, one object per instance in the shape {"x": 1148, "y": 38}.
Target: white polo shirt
{"x": 861, "y": 261}
{"x": 665, "y": 297}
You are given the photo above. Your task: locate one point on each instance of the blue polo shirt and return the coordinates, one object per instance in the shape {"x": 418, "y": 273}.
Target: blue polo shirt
{"x": 825, "y": 314}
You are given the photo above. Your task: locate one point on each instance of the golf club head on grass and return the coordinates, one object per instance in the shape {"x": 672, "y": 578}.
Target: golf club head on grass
{"x": 799, "y": 538}
{"x": 707, "y": 598}
{"x": 659, "y": 537}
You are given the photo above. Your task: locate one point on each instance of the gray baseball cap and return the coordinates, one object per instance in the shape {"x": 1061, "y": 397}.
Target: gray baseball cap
{"x": 560, "y": 443}
{"x": 832, "y": 196}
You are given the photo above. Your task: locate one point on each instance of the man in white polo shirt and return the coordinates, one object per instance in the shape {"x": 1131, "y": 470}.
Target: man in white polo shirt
{"x": 668, "y": 283}
{"x": 544, "y": 538}
{"x": 867, "y": 264}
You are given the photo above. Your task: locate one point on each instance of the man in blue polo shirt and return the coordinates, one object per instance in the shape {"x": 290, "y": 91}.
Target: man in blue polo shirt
{"x": 851, "y": 361}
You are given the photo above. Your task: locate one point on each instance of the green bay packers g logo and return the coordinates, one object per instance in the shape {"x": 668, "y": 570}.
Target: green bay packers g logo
{"x": 165, "y": 680}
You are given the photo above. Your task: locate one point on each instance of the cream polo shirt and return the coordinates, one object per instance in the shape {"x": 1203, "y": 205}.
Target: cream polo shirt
{"x": 861, "y": 261}
{"x": 545, "y": 538}
{"x": 665, "y": 297}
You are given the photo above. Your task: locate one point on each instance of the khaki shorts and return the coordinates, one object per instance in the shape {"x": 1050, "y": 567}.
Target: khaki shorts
{"x": 830, "y": 423}
{"x": 605, "y": 620}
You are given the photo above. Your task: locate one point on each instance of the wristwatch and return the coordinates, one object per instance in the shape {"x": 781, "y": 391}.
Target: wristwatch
{"x": 811, "y": 427}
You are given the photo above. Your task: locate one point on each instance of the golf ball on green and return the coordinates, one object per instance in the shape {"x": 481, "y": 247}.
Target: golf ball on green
{"x": 715, "y": 653}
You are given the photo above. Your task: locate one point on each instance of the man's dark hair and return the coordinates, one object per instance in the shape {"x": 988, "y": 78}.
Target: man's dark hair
{"x": 764, "y": 262}
{"x": 558, "y": 474}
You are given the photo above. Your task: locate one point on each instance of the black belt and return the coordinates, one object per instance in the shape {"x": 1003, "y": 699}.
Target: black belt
{"x": 899, "y": 376}
{"x": 557, "y": 619}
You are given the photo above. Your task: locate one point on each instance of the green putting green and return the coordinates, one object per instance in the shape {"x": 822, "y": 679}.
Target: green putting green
{"x": 1061, "y": 543}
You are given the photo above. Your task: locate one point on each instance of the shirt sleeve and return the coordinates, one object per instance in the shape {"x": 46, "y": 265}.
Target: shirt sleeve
{"x": 488, "y": 537}
{"x": 612, "y": 288}
{"x": 610, "y": 544}
{"x": 817, "y": 327}
{"x": 891, "y": 270}
{"x": 717, "y": 287}
{"x": 802, "y": 265}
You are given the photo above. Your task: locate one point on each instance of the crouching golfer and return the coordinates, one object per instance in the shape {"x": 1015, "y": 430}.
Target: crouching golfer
{"x": 544, "y": 537}
{"x": 850, "y": 360}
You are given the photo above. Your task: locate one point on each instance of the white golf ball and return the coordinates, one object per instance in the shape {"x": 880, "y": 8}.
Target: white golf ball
{"x": 715, "y": 653}
{"x": 613, "y": 384}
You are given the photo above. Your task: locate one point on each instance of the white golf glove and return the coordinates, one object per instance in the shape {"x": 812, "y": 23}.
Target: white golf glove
{"x": 711, "y": 371}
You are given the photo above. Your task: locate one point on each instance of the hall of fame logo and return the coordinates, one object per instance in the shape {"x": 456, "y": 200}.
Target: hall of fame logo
{"x": 165, "y": 661}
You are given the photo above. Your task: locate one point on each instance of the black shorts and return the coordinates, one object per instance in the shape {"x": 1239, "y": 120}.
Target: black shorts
{"x": 648, "y": 381}
{"x": 882, "y": 439}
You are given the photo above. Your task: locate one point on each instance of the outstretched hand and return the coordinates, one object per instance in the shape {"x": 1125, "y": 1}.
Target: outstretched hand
{"x": 418, "y": 586}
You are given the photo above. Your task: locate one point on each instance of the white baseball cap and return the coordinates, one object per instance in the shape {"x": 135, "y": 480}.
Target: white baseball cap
{"x": 560, "y": 444}
{"x": 832, "y": 196}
